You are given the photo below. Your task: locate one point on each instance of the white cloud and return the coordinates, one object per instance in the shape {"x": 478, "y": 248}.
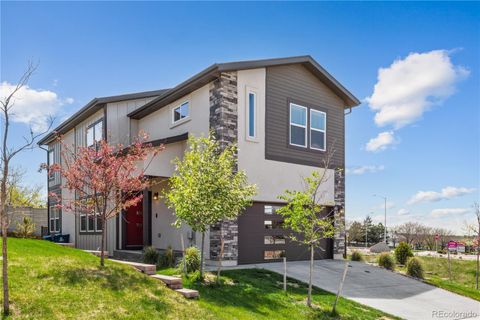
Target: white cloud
{"x": 403, "y": 212}
{"x": 381, "y": 142}
{"x": 444, "y": 212}
{"x": 33, "y": 107}
{"x": 411, "y": 86}
{"x": 364, "y": 169}
{"x": 444, "y": 194}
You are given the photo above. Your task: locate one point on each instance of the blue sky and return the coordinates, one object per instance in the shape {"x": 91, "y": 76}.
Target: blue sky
{"x": 87, "y": 50}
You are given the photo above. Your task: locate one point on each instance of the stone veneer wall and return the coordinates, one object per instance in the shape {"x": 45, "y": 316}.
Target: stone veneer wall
{"x": 339, "y": 189}
{"x": 224, "y": 123}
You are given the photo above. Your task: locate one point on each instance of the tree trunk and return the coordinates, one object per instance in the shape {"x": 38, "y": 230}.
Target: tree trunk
{"x": 478, "y": 262}
{"x": 102, "y": 246}
{"x": 340, "y": 287}
{"x": 201, "y": 255}
{"x": 309, "y": 298}
{"x": 6, "y": 303}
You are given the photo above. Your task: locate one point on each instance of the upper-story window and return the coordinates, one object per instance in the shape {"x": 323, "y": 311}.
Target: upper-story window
{"x": 94, "y": 133}
{"x": 298, "y": 125}
{"x": 51, "y": 160}
{"x": 301, "y": 123}
{"x": 251, "y": 115}
{"x": 181, "y": 112}
{"x": 318, "y": 122}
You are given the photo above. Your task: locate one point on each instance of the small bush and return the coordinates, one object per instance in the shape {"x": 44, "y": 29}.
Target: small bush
{"x": 385, "y": 260}
{"x": 26, "y": 229}
{"x": 356, "y": 256}
{"x": 192, "y": 260}
{"x": 403, "y": 252}
{"x": 415, "y": 268}
{"x": 151, "y": 255}
{"x": 167, "y": 260}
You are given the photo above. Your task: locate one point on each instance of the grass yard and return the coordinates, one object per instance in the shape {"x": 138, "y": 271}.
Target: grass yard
{"x": 436, "y": 273}
{"x": 48, "y": 281}
{"x": 257, "y": 294}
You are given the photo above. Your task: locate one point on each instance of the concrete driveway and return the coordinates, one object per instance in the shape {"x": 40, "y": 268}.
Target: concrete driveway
{"x": 384, "y": 290}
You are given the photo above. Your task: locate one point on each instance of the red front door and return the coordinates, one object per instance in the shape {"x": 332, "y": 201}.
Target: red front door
{"x": 134, "y": 221}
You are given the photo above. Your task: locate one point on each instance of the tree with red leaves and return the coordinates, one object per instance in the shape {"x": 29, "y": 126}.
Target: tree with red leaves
{"x": 105, "y": 178}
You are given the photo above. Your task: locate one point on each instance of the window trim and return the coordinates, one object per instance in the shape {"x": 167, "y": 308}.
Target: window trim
{"x": 251, "y": 91}
{"x": 86, "y": 223}
{"x": 181, "y": 120}
{"x": 297, "y": 125}
{"x": 51, "y": 218}
{"x": 92, "y": 126}
{"x": 318, "y": 130}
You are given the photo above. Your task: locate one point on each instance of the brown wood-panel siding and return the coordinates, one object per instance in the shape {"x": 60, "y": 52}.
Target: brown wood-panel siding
{"x": 294, "y": 83}
{"x": 251, "y": 233}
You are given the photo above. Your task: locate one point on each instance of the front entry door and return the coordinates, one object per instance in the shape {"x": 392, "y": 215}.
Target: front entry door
{"x": 134, "y": 222}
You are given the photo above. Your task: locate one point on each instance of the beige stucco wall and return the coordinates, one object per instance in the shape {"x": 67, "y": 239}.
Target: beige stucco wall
{"x": 164, "y": 234}
{"x": 271, "y": 177}
{"x": 68, "y": 217}
{"x": 159, "y": 123}
{"x": 161, "y": 165}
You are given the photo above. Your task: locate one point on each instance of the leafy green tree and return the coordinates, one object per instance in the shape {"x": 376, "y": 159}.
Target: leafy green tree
{"x": 206, "y": 188}
{"x": 355, "y": 232}
{"x": 308, "y": 217}
{"x": 26, "y": 228}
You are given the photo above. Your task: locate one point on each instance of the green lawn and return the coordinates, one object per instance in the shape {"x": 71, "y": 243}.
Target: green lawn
{"x": 258, "y": 294}
{"x": 48, "y": 281}
{"x": 436, "y": 273}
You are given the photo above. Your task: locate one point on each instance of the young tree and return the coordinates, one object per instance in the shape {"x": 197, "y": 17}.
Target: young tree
{"x": 8, "y": 153}
{"x": 355, "y": 232}
{"x": 106, "y": 179}
{"x": 308, "y": 217}
{"x": 206, "y": 188}
{"x": 475, "y": 228}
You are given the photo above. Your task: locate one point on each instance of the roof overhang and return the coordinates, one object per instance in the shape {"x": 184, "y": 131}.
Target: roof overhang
{"x": 211, "y": 73}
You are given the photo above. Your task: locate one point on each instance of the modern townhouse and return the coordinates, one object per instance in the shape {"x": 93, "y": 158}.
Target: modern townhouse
{"x": 285, "y": 115}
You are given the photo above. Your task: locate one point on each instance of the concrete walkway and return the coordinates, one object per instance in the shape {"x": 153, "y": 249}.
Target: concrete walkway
{"x": 383, "y": 290}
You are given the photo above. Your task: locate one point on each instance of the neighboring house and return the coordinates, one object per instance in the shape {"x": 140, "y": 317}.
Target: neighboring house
{"x": 285, "y": 114}
{"x": 39, "y": 217}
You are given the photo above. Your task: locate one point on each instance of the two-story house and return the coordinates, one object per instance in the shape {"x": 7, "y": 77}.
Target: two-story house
{"x": 284, "y": 114}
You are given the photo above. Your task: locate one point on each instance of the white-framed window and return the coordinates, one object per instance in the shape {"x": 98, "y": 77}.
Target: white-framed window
{"x": 94, "y": 133}
{"x": 54, "y": 219}
{"x": 318, "y": 128}
{"x": 51, "y": 161}
{"x": 181, "y": 112}
{"x": 90, "y": 223}
{"x": 298, "y": 125}
{"x": 251, "y": 114}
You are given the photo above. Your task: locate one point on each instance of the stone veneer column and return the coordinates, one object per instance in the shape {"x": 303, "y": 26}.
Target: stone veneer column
{"x": 339, "y": 239}
{"x": 224, "y": 123}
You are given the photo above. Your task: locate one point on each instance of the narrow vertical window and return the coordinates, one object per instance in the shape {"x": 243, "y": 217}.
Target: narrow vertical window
{"x": 298, "y": 125}
{"x": 252, "y": 107}
{"x": 318, "y": 121}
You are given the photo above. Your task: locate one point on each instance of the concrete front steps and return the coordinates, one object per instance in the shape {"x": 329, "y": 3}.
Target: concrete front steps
{"x": 149, "y": 269}
{"x": 175, "y": 283}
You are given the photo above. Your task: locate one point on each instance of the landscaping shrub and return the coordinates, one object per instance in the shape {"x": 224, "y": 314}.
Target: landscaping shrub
{"x": 25, "y": 229}
{"x": 356, "y": 256}
{"x": 192, "y": 260}
{"x": 403, "y": 252}
{"x": 415, "y": 268}
{"x": 151, "y": 255}
{"x": 386, "y": 261}
{"x": 167, "y": 260}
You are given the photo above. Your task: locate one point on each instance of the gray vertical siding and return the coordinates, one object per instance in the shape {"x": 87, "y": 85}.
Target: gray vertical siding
{"x": 296, "y": 84}
{"x": 56, "y": 179}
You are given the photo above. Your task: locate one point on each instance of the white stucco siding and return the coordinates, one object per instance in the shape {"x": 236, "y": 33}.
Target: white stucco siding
{"x": 271, "y": 177}
{"x": 68, "y": 217}
{"x": 159, "y": 124}
{"x": 164, "y": 234}
{"x": 161, "y": 165}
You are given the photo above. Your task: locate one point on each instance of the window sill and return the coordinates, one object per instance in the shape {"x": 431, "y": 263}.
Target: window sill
{"x": 180, "y": 122}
